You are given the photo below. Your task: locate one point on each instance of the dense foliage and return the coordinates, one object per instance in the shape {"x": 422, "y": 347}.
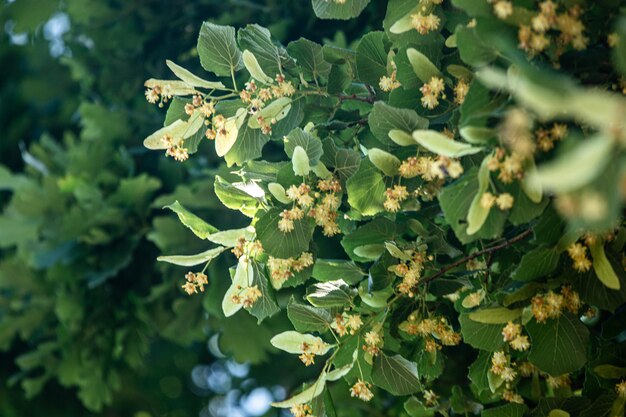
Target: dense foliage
{"x": 84, "y": 312}
{"x": 437, "y": 210}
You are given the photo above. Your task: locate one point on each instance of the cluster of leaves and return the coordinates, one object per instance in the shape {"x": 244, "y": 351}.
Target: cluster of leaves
{"x": 448, "y": 203}
{"x": 79, "y": 305}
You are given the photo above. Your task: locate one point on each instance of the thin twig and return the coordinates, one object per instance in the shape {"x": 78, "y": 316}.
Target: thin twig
{"x": 489, "y": 250}
{"x": 343, "y": 97}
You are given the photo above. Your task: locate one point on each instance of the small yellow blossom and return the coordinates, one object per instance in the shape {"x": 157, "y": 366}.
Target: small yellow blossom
{"x": 361, "y": 390}
{"x": 504, "y": 201}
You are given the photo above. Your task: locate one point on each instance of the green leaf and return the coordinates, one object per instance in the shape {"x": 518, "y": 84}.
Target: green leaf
{"x": 371, "y": 58}
{"x": 255, "y": 70}
{"x": 248, "y": 146}
{"x": 230, "y": 238}
{"x": 471, "y": 48}
{"x": 305, "y": 396}
{"x": 497, "y": 315}
{"x": 339, "y": 79}
{"x": 234, "y": 198}
{"x": 331, "y": 269}
{"x": 477, "y": 135}
{"x": 198, "y": 226}
{"x": 335, "y": 10}
{"x": 330, "y": 294}
{"x": 310, "y": 58}
{"x": 345, "y": 162}
{"x": 279, "y": 244}
{"x": 602, "y": 266}
{"x": 508, "y": 410}
{"x": 481, "y": 336}
{"x": 608, "y": 371}
{"x": 536, "y": 263}
{"x": 440, "y": 144}
{"x": 423, "y": 68}
{"x": 455, "y": 200}
{"x": 266, "y": 306}
{"x": 276, "y": 110}
{"x": 191, "y": 79}
{"x": 477, "y": 214}
{"x": 366, "y": 189}
{"x": 415, "y": 408}
{"x": 395, "y": 374}
{"x": 375, "y": 232}
{"x": 243, "y": 277}
{"x": 278, "y": 192}
{"x": 178, "y": 131}
{"x": 306, "y": 318}
{"x": 401, "y": 138}
{"x": 558, "y": 413}
{"x": 558, "y": 346}
{"x": 576, "y": 168}
{"x": 384, "y": 118}
{"x": 300, "y": 161}
{"x": 217, "y": 48}
{"x": 311, "y": 145}
{"x": 227, "y": 137}
{"x": 192, "y": 260}
{"x": 596, "y": 293}
{"x": 384, "y": 161}
{"x": 258, "y": 40}
{"x": 479, "y": 371}
{"x": 292, "y": 342}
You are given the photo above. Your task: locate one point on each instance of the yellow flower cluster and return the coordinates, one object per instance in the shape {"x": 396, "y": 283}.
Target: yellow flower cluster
{"x": 325, "y": 211}
{"x": 322, "y": 207}
{"x": 287, "y": 217}
{"x": 546, "y": 138}
{"x": 501, "y": 366}
{"x": 175, "y": 149}
{"x": 256, "y": 98}
{"x": 252, "y": 249}
{"x": 591, "y": 205}
{"x": 435, "y": 331}
{"x": 460, "y": 91}
{"x": 578, "y": 253}
{"x": 283, "y": 269}
{"x": 510, "y": 166}
{"x": 361, "y": 390}
{"x": 430, "y": 398}
{"x": 389, "y": 83}
{"x": 394, "y": 197}
{"x": 536, "y": 38}
{"x": 410, "y": 271}
{"x": 346, "y": 323}
{"x": 301, "y": 410}
{"x": 429, "y": 168}
{"x": 195, "y": 282}
{"x": 551, "y": 305}
{"x": 431, "y": 91}
{"x": 556, "y": 382}
{"x": 504, "y": 201}
{"x": 512, "y": 397}
{"x": 309, "y": 351}
{"x": 620, "y": 389}
{"x": 425, "y": 23}
{"x": 373, "y": 342}
{"x": 247, "y": 296}
{"x": 512, "y": 333}
{"x": 502, "y": 8}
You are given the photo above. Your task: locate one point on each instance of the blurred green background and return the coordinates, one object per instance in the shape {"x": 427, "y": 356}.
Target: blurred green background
{"x": 90, "y": 324}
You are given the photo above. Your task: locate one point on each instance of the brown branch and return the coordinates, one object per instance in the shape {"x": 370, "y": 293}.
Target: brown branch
{"x": 489, "y": 250}
{"x": 343, "y": 97}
